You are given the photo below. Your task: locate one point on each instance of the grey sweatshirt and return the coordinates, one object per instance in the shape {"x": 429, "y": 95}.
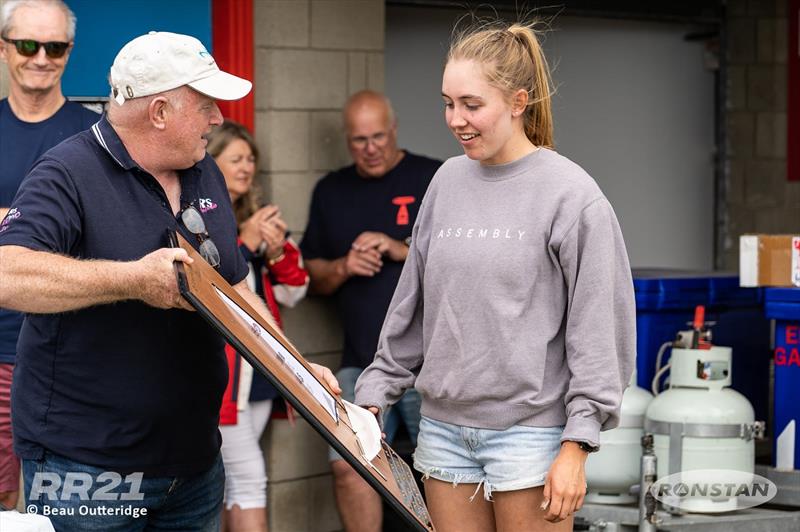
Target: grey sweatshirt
{"x": 515, "y": 305}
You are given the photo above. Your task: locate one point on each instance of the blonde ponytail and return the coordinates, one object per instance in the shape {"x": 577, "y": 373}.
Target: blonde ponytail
{"x": 512, "y": 59}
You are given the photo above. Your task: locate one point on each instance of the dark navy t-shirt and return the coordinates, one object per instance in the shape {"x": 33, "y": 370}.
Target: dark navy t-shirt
{"x": 21, "y": 144}
{"x": 123, "y": 386}
{"x": 343, "y": 206}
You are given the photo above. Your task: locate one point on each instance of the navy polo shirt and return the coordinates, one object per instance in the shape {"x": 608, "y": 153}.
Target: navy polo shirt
{"x": 21, "y": 144}
{"x": 123, "y": 386}
{"x": 343, "y": 206}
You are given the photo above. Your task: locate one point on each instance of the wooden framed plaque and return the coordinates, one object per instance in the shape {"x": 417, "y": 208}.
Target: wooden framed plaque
{"x": 275, "y": 357}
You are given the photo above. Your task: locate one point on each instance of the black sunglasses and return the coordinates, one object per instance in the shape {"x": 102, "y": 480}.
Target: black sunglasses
{"x": 194, "y": 223}
{"x": 29, "y": 47}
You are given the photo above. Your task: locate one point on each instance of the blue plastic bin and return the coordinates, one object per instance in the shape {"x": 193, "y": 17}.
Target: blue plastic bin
{"x": 783, "y": 306}
{"x": 665, "y": 303}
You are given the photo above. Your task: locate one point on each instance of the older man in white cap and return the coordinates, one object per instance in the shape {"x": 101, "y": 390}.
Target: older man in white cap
{"x": 118, "y": 386}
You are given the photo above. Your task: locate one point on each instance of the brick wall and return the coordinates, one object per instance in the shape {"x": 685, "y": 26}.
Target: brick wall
{"x": 310, "y": 56}
{"x": 759, "y": 197}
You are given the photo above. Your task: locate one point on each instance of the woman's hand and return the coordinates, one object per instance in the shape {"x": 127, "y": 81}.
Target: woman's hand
{"x": 565, "y": 485}
{"x": 326, "y": 375}
{"x": 250, "y": 230}
{"x": 272, "y": 229}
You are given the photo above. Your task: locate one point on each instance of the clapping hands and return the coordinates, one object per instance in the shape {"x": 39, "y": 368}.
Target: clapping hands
{"x": 266, "y": 227}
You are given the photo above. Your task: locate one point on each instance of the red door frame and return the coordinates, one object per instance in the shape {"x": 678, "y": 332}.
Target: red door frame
{"x": 234, "y": 50}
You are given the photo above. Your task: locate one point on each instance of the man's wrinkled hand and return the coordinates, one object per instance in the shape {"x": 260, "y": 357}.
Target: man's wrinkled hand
{"x": 382, "y": 243}
{"x": 155, "y": 281}
{"x": 366, "y": 263}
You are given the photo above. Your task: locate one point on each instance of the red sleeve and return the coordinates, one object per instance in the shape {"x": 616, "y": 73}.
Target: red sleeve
{"x": 289, "y": 270}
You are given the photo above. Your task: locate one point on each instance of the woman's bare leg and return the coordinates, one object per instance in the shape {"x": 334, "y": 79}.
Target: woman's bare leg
{"x": 452, "y": 510}
{"x": 521, "y": 510}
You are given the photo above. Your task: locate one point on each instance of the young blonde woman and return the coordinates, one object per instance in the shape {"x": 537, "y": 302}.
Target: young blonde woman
{"x": 514, "y": 316}
{"x": 276, "y": 274}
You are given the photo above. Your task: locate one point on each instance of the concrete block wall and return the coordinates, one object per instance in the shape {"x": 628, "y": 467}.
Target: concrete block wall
{"x": 759, "y": 196}
{"x": 310, "y": 56}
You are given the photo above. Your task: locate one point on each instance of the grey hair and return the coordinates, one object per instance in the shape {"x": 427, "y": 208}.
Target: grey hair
{"x": 11, "y": 6}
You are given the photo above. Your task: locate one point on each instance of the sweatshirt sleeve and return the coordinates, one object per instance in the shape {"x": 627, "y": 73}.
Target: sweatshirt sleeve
{"x": 399, "y": 355}
{"x": 601, "y": 322}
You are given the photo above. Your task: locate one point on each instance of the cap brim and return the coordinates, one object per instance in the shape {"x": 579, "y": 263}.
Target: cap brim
{"x": 222, "y": 86}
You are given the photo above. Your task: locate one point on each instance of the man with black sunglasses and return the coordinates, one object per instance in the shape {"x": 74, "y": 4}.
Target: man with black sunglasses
{"x": 37, "y": 36}
{"x": 116, "y": 379}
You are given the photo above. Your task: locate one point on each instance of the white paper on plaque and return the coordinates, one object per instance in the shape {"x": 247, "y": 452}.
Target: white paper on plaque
{"x": 366, "y": 428}
{"x": 322, "y": 396}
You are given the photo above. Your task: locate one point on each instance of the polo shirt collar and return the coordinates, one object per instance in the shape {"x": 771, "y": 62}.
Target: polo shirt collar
{"x": 108, "y": 139}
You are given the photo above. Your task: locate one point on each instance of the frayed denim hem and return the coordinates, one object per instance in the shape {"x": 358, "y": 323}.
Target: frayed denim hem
{"x": 522, "y": 484}
{"x": 445, "y": 476}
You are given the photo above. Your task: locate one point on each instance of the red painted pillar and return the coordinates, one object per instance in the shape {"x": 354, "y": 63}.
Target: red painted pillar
{"x": 234, "y": 49}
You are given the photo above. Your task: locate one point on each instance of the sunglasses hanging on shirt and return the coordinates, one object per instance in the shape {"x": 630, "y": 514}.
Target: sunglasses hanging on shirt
{"x": 193, "y": 221}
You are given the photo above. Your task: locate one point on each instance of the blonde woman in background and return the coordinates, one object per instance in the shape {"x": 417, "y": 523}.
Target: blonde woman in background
{"x": 514, "y": 315}
{"x": 276, "y": 274}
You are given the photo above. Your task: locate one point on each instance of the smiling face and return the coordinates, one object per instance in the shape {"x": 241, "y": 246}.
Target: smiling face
{"x": 481, "y": 116}
{"x": 238, "y": 165}
{"x": 43, "y": 23}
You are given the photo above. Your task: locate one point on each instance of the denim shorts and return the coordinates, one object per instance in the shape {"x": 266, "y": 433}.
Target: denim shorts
{"x": 502, "y": 460}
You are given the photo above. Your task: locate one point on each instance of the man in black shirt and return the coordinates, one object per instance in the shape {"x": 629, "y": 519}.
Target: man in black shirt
{"x": 355, "y": 245}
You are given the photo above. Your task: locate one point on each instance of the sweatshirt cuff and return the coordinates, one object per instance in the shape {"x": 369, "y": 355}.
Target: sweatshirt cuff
{"x": 365, "y": 401}
{"x": 583, "y": 429}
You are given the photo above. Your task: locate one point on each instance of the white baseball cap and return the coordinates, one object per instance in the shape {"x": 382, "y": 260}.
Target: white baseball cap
{"x": 161, "y": 61}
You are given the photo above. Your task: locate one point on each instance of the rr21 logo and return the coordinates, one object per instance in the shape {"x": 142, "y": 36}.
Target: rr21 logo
{"x": 85, "y": 487}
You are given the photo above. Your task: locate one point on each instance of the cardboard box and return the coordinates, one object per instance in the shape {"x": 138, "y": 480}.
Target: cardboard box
{"x": 769, "y": 260}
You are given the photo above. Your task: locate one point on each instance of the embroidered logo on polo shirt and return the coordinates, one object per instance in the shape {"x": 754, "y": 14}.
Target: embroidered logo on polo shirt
{"x": 402, "y": 212}
{"x": 12, "y": 214}
{"x": 206, "y": 204}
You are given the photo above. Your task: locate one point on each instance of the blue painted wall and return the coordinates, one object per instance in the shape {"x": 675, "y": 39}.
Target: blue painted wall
{"x": 104, "y": 26}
